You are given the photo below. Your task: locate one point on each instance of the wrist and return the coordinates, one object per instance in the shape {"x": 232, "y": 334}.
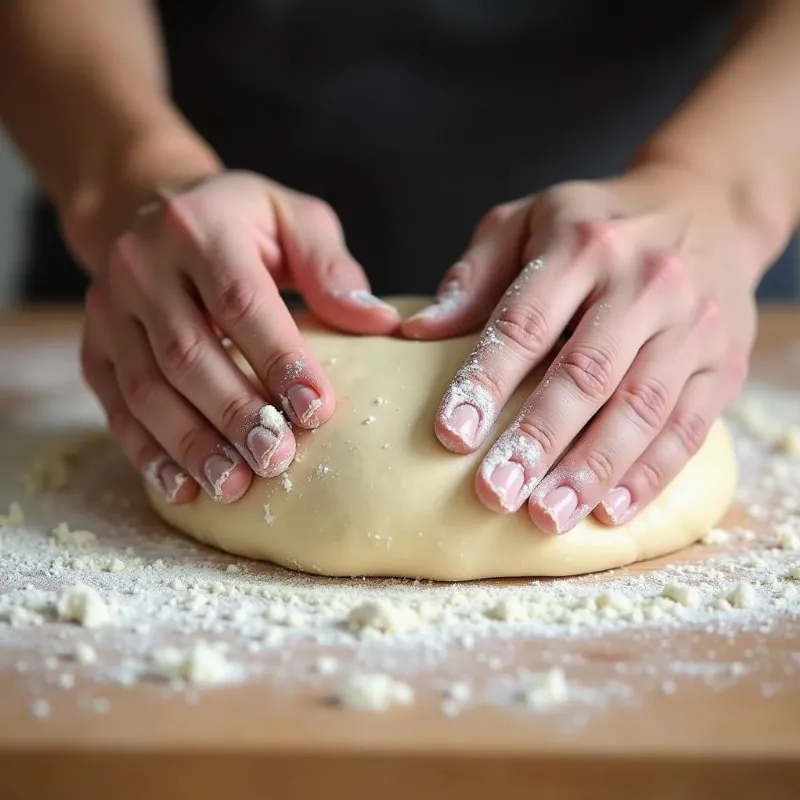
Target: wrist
{"x": 142, "y": 169}
{"x": 763, "y": 206}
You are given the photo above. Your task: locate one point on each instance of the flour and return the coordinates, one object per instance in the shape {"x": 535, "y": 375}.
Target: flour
{"x": 376, "y": 692}
{"x": 84, "y": 605}
{"x": 138, "y": 591}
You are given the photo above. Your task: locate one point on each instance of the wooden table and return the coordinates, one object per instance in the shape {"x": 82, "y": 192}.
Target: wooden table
{"x": 253, "y": 741}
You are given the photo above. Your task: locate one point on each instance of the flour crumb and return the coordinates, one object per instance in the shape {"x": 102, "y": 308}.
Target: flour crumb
{"x": 233, "y": 568}
{"x": 788, "y": 442}
{"x": 716, "y": 536}
{"x": 744, "y": 596}
{"x": 66, "y": 680}
{"x": 40, "y": 709}
{"x": 369, "y": 420}
{"x": 286, "y": 483}
{"x": 84, "y": 605}
{"x": 544, "y": 690}
{"x": 380, "y": 401}
{"x": 382, "y": 617}
{"x": 373, "y": 692}
{"x": 326, "y": 665}
{"x": 64, "y": 536}
{"x": 117, "y": 565}
{"x": 507, "y": 610}
{"x": 15, "y": 516}
{"x": 322, "y": 470}
{"x": 200, "y": 664}
{"x": 84, "y": 654}
{"x": 788, "y": 537}
{"x": 272, "y": 419}
{"x": 687, "y": 596}
{"x": 269, "y": 517}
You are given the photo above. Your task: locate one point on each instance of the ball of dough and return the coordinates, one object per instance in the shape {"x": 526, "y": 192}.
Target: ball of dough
{"x": 373, "y": 492}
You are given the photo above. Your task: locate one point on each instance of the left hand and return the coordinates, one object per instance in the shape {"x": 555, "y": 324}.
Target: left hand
{"x": 655, "y": 274}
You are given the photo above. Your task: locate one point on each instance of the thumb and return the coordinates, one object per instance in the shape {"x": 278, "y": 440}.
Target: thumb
{"x": 327, "y": 276}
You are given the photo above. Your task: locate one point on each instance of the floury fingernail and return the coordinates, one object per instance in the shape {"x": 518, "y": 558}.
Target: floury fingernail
{"x": 464, "y": 422}
{"x": 166, "y": 477}
{"x": 363, "y": 298}
{"x": 560, "y": 504}
{"x": 506, "y": 481}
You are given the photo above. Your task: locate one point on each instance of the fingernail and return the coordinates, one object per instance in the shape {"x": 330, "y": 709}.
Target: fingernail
{"x": 218, "y": 470}
{"x": 617, "y": 502}
{"x": 304, "y": 402}
{"x": 507, "y": 480}
{"x": 560, "y": 505}
{"x": 451, "y": 299}
{"x": 363, "y": 298}
{"x": 166, "y": 477}
{"x": 172, "y": 477}
{"x": 262, "y": 443}
{"x": 464, "y": 422}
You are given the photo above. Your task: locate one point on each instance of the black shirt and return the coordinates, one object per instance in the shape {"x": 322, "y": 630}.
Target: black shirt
{"x": 413, "y": 117}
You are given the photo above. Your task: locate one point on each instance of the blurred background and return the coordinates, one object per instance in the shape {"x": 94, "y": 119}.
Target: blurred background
{"x": 16, "y": 189}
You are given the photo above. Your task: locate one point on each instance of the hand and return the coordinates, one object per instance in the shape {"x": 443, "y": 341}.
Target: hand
{"x": 654, "y": 273}
{"x": 210, "y": 260}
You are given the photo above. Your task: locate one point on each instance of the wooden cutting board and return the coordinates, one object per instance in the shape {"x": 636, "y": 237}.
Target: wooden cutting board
{"x": 258, "y": 740}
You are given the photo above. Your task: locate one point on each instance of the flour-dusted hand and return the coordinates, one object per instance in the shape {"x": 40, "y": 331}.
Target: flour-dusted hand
{"x": 210, "y": 260}
{"x": 654, "y": 275}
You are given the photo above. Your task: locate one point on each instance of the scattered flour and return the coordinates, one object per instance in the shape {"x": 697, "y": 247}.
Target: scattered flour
{"x": 373, "y": 692}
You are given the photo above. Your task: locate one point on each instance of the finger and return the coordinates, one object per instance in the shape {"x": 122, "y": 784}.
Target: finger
{"x": 177, "y": 427}
{"x": 521, "y": 330}
{"x": 703, "y": 399}
{"x": 580, "y": 380}
{"x": 474, "y": 284}
{"x": 196, "y": 364}
{"x": 619, "y": 434}
{"x": 170, "y": 480}
{"x": 330, "y": 280}
{"x": 242, "y": 298}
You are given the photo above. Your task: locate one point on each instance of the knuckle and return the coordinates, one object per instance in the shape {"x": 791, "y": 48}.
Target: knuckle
{"x": 234, "y": 414}
{"x": 497, "y": 215}
{"x": 181, "y": 351}
{"x": 483, "y": 378}
{"x": 141, "y": 391}
{"x": 590, "y": 368}
{"x": 598, "y": 237}
{"x": 691, "y": 429}
{"x": 318, "y": 212}
{"x": 540, "y": 433}
{"x": 178, "y": 216}
{"x": 187, "y": 446}
{"x": 647, "y": 402}
{"x": 238, "y": 303}
{"x": 599, "y": 464}
{"x": 526, "y": 325}
{"x": 652, "y": 475}
{"x": 276, "y": 365}
{"x": 666, "y": 269}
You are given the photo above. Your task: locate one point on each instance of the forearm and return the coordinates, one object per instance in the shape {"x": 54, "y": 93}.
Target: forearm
{"x": 742, "y": 125}
{"x": 84, "y": 96}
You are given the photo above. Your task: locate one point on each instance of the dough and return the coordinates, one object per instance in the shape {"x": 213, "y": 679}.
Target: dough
{"x": 372, "y": 492}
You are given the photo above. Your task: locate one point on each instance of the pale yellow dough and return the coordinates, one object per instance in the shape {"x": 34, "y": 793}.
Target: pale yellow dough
{"x": 374, "y": 493}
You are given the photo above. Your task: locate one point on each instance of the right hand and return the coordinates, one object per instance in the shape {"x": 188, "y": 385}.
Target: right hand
{"x": 212, "y": 259}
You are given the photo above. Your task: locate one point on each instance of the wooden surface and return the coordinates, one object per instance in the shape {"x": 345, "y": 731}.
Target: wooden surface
{"x": 257, "y": 741}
